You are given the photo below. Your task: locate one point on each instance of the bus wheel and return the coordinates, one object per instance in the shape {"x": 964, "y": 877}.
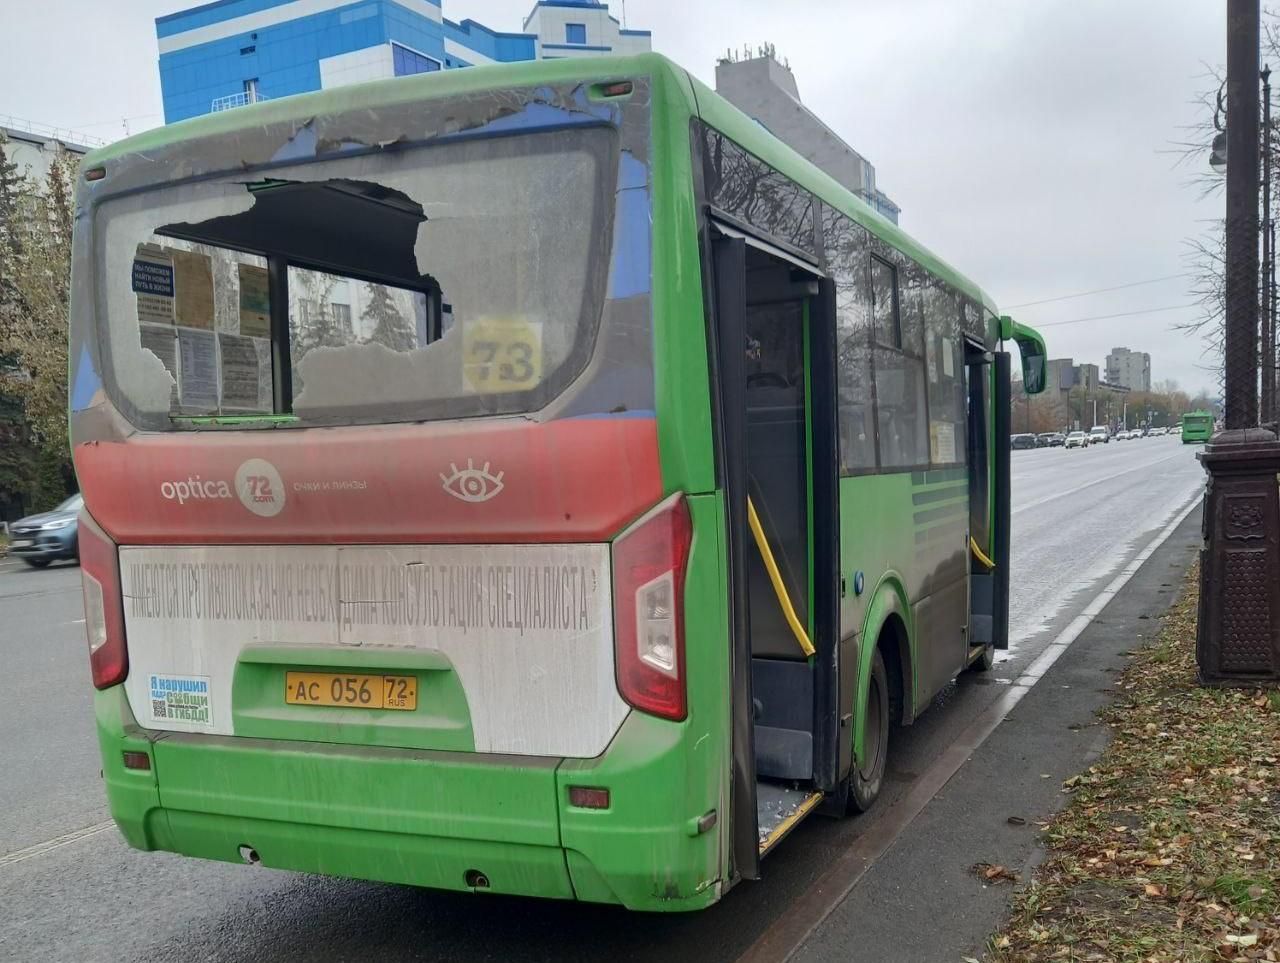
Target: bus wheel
{"x": 865, "y": 780}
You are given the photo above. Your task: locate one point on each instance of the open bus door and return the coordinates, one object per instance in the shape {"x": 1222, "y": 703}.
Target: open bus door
{"x": 1032, "y": 352}
{"x": 979, "y": 364}
{"x": 773, "y": 331}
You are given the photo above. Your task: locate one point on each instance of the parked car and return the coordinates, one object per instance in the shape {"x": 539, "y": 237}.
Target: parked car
{"x": 1057, "y": 439}
{"x": 47, "y": 537}
{"x": 1077, "y": 439}
{"x": 1019, "y": 442}
{"x": 1123, "y": 435}
{"x": 1099, "y": 433}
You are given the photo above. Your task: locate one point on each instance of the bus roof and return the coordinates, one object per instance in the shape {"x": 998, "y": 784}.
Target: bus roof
{"x": 700, "y": 100}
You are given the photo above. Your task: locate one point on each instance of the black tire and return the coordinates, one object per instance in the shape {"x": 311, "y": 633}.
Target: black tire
{"x": 984, "y": 662}
{"x": 36, "y": 562}
{"x": 864, "y": 782}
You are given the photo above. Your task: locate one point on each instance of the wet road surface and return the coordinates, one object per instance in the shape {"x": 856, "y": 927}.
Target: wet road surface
{"x": 72, "y": 890}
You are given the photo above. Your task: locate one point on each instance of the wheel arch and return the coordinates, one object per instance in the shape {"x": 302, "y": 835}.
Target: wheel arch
{"x": 888, "y": 624}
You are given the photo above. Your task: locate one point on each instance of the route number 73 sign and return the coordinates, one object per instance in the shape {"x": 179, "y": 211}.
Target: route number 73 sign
{"x": 501, "y": 355}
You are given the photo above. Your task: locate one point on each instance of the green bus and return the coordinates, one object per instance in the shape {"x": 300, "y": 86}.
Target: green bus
{"x": 1197, "y": 427}
{"x": 533, "y": 479}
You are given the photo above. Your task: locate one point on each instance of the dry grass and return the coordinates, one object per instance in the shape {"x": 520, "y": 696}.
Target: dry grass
{"x": 1170, "y": 847}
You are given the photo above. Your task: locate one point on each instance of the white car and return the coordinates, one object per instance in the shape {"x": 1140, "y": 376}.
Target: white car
{"x": 1122, "y": 436}
{"x": 1077, "y": 439}
{"x": 1099, "y": 433}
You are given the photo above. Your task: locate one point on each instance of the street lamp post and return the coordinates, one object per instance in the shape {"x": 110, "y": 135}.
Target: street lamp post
{"x": 1268, "y": 262}
{"x": 1238, "y": 632}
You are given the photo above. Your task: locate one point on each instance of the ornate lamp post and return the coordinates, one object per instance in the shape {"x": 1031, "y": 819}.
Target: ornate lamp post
{"x": 1238, "y": 637}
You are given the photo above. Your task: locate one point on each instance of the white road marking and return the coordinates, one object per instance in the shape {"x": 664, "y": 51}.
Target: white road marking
{"x": 49, "y": 845}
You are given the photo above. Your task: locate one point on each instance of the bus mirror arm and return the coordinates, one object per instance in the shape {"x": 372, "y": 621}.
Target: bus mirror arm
{"x": 1032, "y": 351}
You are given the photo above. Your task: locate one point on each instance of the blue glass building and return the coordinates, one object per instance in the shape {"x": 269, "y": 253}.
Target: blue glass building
{"x": 232, "y": 52}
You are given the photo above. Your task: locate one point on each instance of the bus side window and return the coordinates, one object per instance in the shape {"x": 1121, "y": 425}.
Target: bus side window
{"x": 944, "y": 361}
{"x": 884, "y": 303}
{"x": 846, "y": 245}
{"x": 902, "y": 424}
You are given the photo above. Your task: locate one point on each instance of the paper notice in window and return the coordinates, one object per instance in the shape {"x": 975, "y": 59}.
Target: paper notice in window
{"x": 241, "y": 372}
{"x": 162, "y": 341}
{"x": 153, "y": 284}
{"x": 197, "y": 369}
{"x": 948, "y": 359}
{"x": 942, "y": 442}
{"x": 193, "y": 274}
{"x": 255, "y": 301}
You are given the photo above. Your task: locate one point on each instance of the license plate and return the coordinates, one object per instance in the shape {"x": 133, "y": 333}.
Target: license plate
{"x": 351, "y": 691}
{"x": 23, "y": 542}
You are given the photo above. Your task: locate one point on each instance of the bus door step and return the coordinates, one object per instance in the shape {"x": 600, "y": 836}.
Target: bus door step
{"x": 780, "y": 809}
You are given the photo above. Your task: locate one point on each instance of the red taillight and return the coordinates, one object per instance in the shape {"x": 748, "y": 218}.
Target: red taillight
{"x": 103, "y": 607}
{"x": 648, "y": 604}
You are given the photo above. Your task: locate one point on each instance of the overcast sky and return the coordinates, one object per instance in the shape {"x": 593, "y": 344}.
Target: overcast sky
{"x": 1025, "y": 140}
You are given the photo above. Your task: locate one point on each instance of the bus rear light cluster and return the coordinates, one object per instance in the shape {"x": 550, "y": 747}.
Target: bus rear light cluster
{"x": 103, "y": 606}
{"x": 649, "y": 561}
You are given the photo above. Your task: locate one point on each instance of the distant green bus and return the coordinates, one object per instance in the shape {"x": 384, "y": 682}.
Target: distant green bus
{"x": 535, "y": 479}
{"x": 1197, "y": 427}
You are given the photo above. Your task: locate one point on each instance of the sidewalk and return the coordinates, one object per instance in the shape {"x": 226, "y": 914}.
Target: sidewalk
{"x": 923, "y": 901}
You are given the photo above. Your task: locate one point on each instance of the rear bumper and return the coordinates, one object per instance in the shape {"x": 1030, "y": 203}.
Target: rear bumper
{"x": 423, "y": 818}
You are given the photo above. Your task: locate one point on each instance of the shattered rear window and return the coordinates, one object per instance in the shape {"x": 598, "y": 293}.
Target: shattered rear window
{"x": 461, "y": 279}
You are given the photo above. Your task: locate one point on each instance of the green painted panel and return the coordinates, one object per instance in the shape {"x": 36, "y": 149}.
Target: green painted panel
{"x": 906, "y": 534}
{"x": 662, "y": 775}
{"x": 454, "y": 795}
{"x": 417, "y": 860}
{"x": 131, "y": 794}
{"x": 639, "y": 846}
{"x": 682, "y": 386}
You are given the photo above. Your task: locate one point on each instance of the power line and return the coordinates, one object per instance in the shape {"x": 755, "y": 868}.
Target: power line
{"x": 1082, "y": 294}
{"x": 1122, "y": 314}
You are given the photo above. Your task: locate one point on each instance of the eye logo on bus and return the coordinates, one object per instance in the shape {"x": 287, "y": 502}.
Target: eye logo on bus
{"x": 471, "y": 484}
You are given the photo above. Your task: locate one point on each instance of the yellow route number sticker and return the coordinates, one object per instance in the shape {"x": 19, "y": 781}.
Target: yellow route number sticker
{"x": 501, "y": 355}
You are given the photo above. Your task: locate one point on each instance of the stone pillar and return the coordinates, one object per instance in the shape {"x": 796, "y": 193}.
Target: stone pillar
{"x": 1238, "y": 637}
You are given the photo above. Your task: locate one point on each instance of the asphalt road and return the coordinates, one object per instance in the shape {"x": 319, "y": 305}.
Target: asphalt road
{"x": 73, "y": 891}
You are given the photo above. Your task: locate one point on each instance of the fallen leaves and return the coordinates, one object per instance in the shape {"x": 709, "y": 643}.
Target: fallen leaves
{"x": 1169, "y": 849}
{"x": 996, "y": 874}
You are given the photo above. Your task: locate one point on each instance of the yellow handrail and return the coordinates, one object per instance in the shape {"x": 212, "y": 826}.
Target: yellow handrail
{"x": 979, "y": 554}
{"x": 779, "y": 589}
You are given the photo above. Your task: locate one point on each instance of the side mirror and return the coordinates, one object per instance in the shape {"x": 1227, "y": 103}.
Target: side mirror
{"x": 1031, "y": 348}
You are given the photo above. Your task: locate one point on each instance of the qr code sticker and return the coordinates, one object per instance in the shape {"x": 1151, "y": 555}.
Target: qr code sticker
{"x": 181, "y": 698}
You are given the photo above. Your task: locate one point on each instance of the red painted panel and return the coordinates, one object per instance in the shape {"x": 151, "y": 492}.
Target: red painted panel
{"x": 572, "y": 480}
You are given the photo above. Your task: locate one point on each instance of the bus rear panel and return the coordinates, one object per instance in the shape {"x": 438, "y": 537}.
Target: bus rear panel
{"x": 384, "y": 576}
